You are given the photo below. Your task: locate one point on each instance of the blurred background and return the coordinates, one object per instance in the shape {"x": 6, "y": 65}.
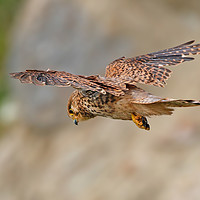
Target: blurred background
{"x": 43, "y": 155}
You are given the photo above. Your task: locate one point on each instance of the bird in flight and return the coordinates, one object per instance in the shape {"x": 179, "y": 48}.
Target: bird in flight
{"x": 116, "y": 95}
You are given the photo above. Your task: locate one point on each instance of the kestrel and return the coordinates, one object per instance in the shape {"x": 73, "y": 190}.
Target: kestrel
{"x": 116, "y": 95}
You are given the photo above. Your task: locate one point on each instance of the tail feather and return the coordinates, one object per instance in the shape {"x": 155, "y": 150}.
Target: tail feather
{"x": 180, "y": 103}
{"x": 165, "y": 106}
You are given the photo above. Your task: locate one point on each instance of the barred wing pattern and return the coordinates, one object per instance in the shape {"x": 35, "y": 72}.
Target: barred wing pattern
{"x": 151, "y": 68}
{"x": 120, "y": 74}
{"x": 64, "y": 79}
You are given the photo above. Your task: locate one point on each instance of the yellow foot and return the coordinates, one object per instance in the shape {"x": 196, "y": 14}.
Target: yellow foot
{"x": 140, "y": 121}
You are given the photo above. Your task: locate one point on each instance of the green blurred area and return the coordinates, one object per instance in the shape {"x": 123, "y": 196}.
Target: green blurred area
{"x": 8, "y": 10}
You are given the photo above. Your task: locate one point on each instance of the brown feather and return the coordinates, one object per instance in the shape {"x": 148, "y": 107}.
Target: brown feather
{"x": 151, "y": 68}
{"x": 116, "y": 95}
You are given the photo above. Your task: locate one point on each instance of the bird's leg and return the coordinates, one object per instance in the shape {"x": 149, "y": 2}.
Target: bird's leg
{"x": 140, "y": 121}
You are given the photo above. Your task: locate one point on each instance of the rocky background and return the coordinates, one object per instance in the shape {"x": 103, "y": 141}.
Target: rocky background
{"x": 43, "y": 156}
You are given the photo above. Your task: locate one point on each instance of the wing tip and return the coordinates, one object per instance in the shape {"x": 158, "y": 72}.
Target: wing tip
{"x": 15, "y": 75}
{"x": 12, "y": 75}
{"x": 186, "y": 43}
{"x": 190, "y": 42}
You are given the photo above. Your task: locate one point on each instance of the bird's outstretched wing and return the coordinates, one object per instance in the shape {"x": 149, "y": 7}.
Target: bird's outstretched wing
{"x": 64, "y": 79}
{"x": 151, "y": 68}
{"x": 148, "y": 69}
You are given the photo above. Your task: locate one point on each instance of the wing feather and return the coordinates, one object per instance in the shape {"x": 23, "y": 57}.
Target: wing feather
{"x": 64, "y": 79}
{"x": 147, "y": 69}
{"x": 151, "y": 68}
{"x": 56, "y": 78}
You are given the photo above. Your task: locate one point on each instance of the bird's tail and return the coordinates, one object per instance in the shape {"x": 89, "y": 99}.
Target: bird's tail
{"x": 180, "y": 103}
{"x": 166, "y": 106}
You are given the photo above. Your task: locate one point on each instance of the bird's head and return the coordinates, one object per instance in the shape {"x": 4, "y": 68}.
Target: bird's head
{"x": 76, "y": 109}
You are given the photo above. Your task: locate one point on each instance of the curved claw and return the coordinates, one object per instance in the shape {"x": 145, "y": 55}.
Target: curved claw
{"x": 140, "y": 121}
{"x": 75, "y": 122}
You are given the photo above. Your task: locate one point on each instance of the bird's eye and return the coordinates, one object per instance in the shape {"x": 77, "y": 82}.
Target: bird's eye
{"x": 71, "y": 112}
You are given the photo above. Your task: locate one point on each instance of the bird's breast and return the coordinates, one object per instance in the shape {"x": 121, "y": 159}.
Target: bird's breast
{"x": 108, "y": 106}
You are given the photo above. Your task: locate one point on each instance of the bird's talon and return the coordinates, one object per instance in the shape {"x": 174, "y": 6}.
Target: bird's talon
{"x": 140, "y": 121}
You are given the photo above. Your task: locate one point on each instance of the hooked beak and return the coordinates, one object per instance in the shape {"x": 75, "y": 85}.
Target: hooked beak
{"x": 75, "y": 121}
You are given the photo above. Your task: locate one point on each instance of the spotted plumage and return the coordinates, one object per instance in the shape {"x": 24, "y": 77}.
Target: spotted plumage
{"x": 116, "y": 95}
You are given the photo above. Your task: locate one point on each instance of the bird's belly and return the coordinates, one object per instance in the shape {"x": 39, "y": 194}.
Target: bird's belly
{"x": 115, "y": 110}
